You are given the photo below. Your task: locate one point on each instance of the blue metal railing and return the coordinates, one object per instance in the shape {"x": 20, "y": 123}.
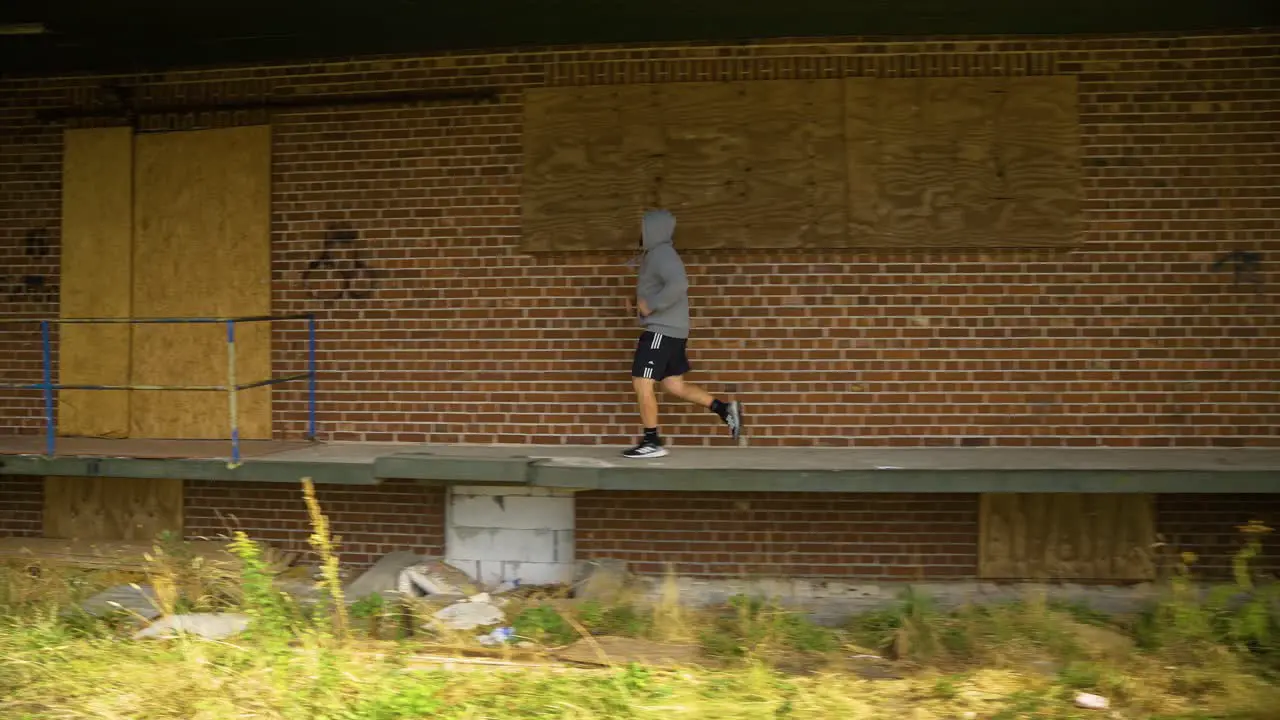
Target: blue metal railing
{"x": 232, "y": 387}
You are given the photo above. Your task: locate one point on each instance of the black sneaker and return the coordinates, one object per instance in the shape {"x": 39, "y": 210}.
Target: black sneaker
{"x": 733, "y": 418}
{"x": 646, "y": 449}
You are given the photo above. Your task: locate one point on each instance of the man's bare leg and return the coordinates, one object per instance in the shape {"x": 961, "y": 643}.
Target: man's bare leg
{"x": 687, "y": 391}
{"x": 647, "y": 398}
{"x": 730, "y": 412}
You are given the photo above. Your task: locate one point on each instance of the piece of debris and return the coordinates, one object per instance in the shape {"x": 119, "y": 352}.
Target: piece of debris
{"x": 614, "y": 650}
{"x": 384, "y": 577}
{"x": 506, "y": 587}
{"x": 1089, "y": 701}
{"x": 435, "y": 577}
{"x": 469, "y": 615}
{"x": 499, "y": 636}
{"x": 301, "y": 591}
{"x": 480, "y": 598}
{"x": 211, "y": 626}
{"x": 136, "y": 600}
{"x": 603, "y": 580}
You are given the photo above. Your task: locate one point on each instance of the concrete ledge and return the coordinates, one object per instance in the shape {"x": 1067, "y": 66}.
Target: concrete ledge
{"x": 942, "y": 470}
{"x": 493, "y": 468}
{"x": 322, "y": 473}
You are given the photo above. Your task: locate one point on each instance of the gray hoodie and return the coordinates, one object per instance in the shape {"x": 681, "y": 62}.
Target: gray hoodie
{"x": 662, "y": 283}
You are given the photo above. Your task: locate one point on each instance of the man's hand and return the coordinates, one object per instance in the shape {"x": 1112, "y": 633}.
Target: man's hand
{"x": 643, "y": 307}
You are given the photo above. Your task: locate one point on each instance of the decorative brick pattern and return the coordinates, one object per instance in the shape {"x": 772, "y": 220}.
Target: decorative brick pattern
{"x": 368, "y": 521}
{"x": 21, "y": 506}
{"x": 872, "y": 536}
{"x": 399, "y": 227}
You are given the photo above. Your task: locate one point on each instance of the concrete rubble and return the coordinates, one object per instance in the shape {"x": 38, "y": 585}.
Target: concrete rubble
{"x": 136, "y": 600}
{"x": 470, "y": 615}
{"x": 211, "y": 626}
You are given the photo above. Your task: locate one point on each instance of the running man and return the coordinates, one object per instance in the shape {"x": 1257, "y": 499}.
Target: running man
{"x": 662, "y": 304}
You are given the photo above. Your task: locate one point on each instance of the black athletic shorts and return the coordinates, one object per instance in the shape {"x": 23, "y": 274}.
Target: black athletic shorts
{"x": 660, "y": 356}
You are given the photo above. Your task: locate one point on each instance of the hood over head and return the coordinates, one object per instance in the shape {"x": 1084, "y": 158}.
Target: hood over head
{"x": 657, "y": 227}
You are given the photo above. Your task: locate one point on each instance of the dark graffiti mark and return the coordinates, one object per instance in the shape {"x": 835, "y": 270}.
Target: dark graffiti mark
{"x": 340, "y": 271}
{"x": 37, "y": 243}
{"x": 29, "y": 289}
{"x": 1246, "y": 267}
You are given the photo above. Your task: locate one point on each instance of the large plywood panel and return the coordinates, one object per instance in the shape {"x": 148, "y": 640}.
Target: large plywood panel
{"x": 962, "y": 162}
{"x": 795, "y": 178}
{"x": 97, "y": 237}
{"x": 201, "y": 249}
{"x": 1067, "y": 536}
{"x": 705, "y": 161}
{"x": 77, "y": 508}
{"x": 590, "y": 158}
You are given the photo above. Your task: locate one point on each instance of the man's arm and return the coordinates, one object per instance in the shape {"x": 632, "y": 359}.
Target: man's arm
{"x": 675, "y": 283}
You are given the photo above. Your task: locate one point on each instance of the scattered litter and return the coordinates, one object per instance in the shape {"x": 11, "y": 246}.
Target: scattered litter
{"x": 506, "y": 587}
{"x": 384, "y": 577}
{"x": 888, "y": 467}
{"x": 1092, "y": 702}
{"x": 971, "y": 715}
{"x": 480, "y": 598}
{"x": 137, "y": 600}
{"x": 435, "y": 577}
{"x": 864, "y": 656}
{"x": 499, "y": 636}
{"x": 211, "y": 626}
{"x": 469, "y": 615}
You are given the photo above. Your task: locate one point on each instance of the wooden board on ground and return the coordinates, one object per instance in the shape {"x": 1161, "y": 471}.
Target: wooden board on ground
{"x": 612, "y": 650}
{"x": 1066, "y": 536}
{"x": 202, "y": 249}
{"x": 962, "y": 162}
{"x": 127, "y": 509}
{"x": 95, "y": 281}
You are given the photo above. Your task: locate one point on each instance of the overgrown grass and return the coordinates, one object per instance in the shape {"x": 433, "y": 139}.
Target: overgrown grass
{"x": 1202, "y": 652}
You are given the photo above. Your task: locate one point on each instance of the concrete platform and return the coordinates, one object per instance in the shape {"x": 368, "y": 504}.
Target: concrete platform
{"x": 1103, "y": 470}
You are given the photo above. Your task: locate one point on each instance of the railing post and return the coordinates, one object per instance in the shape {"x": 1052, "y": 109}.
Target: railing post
{"x": 47, "y": 353}
{"x": 311, "y": 377}
{"x": 232, "y": 393}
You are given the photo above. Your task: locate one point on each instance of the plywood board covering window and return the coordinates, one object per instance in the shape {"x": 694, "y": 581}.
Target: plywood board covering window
{"x": 1066, "y": 536}
{"x": 96, "y": 279}
{"x": 201, "y": 249}
{"x": 861, "y": 162}
{"x": 79, "y": 508}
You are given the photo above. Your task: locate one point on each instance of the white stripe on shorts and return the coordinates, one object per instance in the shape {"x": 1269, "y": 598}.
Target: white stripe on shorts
{"x": 657, "y": 342}
{"x": 648, "y": 373}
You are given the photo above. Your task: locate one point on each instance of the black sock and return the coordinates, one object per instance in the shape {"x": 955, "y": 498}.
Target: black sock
{"x": 720, "y": 408}
{"x": 651, "y": 436}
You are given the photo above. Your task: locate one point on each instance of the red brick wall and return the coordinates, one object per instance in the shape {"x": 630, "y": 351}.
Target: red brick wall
{"x": 872, "y": 536}
{"x": 448, "y": 334}
{"x": 1208, "y": 525}
{"x": 21, "y": 506}
{"x": 369, "y": 521}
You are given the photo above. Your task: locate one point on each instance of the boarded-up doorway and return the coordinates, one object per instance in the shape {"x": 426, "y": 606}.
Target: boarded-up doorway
{"x": 158, "y": 225}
